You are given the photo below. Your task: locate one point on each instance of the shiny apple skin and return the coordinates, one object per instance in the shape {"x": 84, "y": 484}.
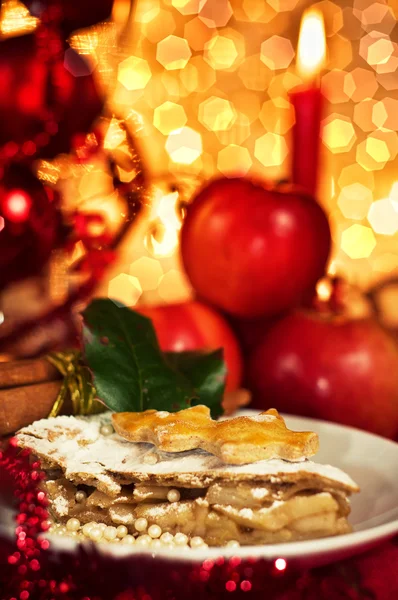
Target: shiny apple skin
{"x": 254, "y": 251}
{"x": 195, "y": 326}
{"x": 332, "y": 368}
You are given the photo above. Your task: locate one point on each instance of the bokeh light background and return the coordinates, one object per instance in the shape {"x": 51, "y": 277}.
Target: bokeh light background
{"x": 210, "y": 79}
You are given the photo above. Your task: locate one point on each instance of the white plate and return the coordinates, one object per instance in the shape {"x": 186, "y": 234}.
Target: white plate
{"x": 372, "y": 461}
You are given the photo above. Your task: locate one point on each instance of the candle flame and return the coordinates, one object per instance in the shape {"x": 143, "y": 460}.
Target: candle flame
{"x": 311, "y": 53}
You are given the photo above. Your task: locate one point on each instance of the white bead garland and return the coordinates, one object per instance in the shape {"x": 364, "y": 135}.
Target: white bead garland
{"x": 233, "y": 544}
{"x": 128, "y": 539}
{"x": 155, "y": 531}
{"x": 141, "y": 524}
{"x": 180, "y": 539}
{"x": 173, "y": 496}
{"x": 106, "y": 430}
{"x": 73, "y": 525}
{"x": 110, "y": 533}
{"x": 143, "y": 540}
{"x": 196, "y": 542}
{"x": 166, "y": 537}
{"x": 149, "y": 537}
{"x": 80, "y": 497}
{"x": 95, "y": 534}
{"x": 121, "y": 531}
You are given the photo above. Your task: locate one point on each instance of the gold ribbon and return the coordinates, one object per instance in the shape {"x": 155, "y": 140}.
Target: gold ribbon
{"x": 77, "y": 384}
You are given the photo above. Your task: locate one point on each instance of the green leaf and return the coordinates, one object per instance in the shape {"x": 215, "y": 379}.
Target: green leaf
{"x": 207, "y": 373}
{"x": 130, "y": 372}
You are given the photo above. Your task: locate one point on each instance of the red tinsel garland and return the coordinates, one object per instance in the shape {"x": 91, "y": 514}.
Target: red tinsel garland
{"x": 32, "y": 571}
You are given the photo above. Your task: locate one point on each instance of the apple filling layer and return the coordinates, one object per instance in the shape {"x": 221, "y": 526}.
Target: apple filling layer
{"x": 221, "y": 513}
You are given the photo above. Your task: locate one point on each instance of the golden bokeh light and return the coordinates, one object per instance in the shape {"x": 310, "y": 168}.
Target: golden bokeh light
{"x": 282, "y": 83}
{"x": 271, "y": 149}
{"x": 371, "y": 13}
{"x": 197, "y": 34}
{"x": 356, "y": 174}
{"x": 355, "y": 200}
{"x": 363, "y": 114}
{"x": 277, "y": 52}
{"x": 277, "y": 115}
{"x": 220, "y": 52}
{"x": 283, "y": 5}
{"x": 134, "y": 73}
{"x": 358, "y": 241}
{"x": 234, "y": 160}
{"x": 379, "y": 51}
{"x": 379, "y": 148}
{"x": 184, "y": 145}
{"x": 255, "y": 11}
{"x": 215, "y": 13}
{"x": 385, "y": 113}
{"x": 198, "y": 76}
{"x": 148, "y": 271}
{"x": 173, "y": 52}
{"x": 254, "y": 74}
{"x": 187, "y": 7}
{"x": 372, "y": 154}
{"x": 217, "y": 114}
{"x": 360, "y": 84}
{"x": 340, "y": 53}
{"x": 383, "y": 217}
{"x": 168, "y": 117}
{"x": 333, "y": 86}
{"x": 338, "y": 133}
{"x": 174, "y": 287}
{"x": 125, "y": 289}
{"x": 147, "y": 10}
{"x": 238, "y": 133}
{"x": 159, "y": 28}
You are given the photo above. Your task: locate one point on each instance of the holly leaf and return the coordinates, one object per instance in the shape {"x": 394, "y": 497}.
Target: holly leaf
{"x": 206, "y": 372}
{"x": 130, "y": 372}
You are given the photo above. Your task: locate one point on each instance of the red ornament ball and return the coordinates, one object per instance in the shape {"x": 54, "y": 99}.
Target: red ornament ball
{"x": 253, "y": 250}
{"x": 195, "y": 326}
{"x": 329, "y": 367}
{"x": 47, "y": 96}
{"x": 72, "y": 14}
{"x": 30, "y": 224}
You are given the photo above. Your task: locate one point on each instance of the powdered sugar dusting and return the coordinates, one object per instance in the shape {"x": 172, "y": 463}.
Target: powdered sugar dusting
{"x": 86, "y": 456}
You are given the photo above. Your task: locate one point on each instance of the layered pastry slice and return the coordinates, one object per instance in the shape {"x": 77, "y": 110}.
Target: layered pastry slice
{"x": 185, "y": 477}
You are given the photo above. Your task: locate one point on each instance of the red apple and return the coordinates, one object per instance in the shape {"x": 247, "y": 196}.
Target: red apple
{"x": 252, "y": 250}
{"x": 195, "y": 326}
{"x": 329, "y": 367}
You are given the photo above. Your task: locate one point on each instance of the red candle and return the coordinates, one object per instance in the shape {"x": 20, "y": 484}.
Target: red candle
{"x": 307, "y": 101}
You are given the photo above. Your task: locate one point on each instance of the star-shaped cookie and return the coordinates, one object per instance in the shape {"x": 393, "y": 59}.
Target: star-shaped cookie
{"x": 235, "y": 441}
